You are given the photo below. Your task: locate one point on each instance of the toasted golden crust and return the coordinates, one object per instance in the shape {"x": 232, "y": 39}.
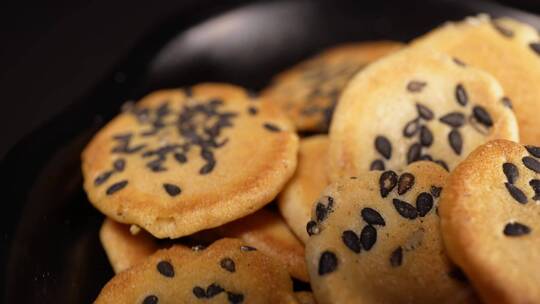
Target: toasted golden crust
{"x": 309, "y": 90}
{"x": 223, "y": 271}
{"x": 305, "y": 297}
{"x": 177, "y": 164}
{"x": 475, "y": 209}
{"x": 123, "y": 248}
{"x": 502, "y": 47}
{"x": 412, "y": 105}
{"x": 267, "y": 231}
{"x": 306, "y": 185}
{"x": 382, "y": 249}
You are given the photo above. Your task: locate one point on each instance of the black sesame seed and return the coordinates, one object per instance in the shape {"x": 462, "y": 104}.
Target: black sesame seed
{"x": 411, "y": 128}
{"x": 426, "y": 137}
{"x": 507, "y": 102}
{"x": 247, "y": 248}
{"x": 535, "y": 46}
{"x": 531, "y": 163}
{"x": 213, "y": 290}
{"x": 516, "y": 229}
{"x": 455, "y": 140}
{"x": 482, "y": 116}
{"x": 235, "y": 298}
{"x": 119, "y": 164}
{"x": 435, "y": 191}
{"x": 252, "y": 111}
{"x": 443, "y": 164}
{"x": 405, "y": 209}
{"x": 377, "y": 165}
{"x": 535, "y": 184}
{"x": 271, "y": 127}
{"x": 387, "y": 182}
{"x": 228, "y": 264}
{"x": 459, "y": 62}
{"x": 368, "y": 237}
{"x": 415, "y": 86}
{"x": 103, "y": 177}
{"x": 328, "y": 263}
{"x": 426, "y": 157}
{"x": 533, "y": 150}
{"x": 181, "y": 158}
{"x": 151, "y": 299}
{"x": 511, "y": 171}
{"x": 312, "y": 228}
{"x": 461, "y": 95}
{"x": 424, "y": 203}
{"x": 424, "y": 112}
{"x": 453, "y": 119}
{"x": 208, "y": 167}
{"x": 414, "y": 153}
{"x": 171, "y": 189}
{"x": 166, "y": 269}
{"x": 383, "y": 146}
{"x": 116, "y": 187}
{"x": 516, "y": 193}
{"x": 351, "y": 240}
{"x": 502, "y": 30}
{"x": 321, "y": 211}
{"x": 199, "y": 292}
{"x": 406, "y": 182}
{"x": 396, "y": 257}
{"x": 372, "y": 217}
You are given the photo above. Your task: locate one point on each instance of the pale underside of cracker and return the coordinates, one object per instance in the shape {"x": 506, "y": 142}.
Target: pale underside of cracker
{"x": 507, "y": 49}
{"x": 226, "y": 272}
{"x": 415, "y": 105}
{"x": 382, "y": 250}
{"x": 181, "y": 161}
{"x": 489, "y": 218}
{"x": 124, "y": 249}
{"x": 309, "y": 90}
{"x": 306, "y": 185}
{"x": 266, "y": 231}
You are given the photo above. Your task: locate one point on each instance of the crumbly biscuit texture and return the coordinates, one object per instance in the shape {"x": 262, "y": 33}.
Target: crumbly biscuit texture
{"x": 309, "y": 91}
{"x": 306, "y": 185}
{"x": 416, "y": 104}
{"x": 226, "y": 272}
{"x": 490, "y": 220}
{"x": 267, "y": 231}
{"x": 180, "y": 161}
{"x": 376, "y": 237}
{"x": 123, "y": 248}
{"x": 506, "y": 48}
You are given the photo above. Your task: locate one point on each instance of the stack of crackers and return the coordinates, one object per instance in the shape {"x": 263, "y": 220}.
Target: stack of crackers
{"x": 374, "y": 172}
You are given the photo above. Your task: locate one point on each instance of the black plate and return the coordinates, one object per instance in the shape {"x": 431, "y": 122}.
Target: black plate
{"x": 50, "y": 248}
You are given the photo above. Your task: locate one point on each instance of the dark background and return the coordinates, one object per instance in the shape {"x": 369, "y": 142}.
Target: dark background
{"x": 53, "y": 52}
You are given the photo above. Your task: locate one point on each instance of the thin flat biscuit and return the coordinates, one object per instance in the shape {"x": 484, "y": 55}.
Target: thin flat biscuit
{"x": 490, "y": 219}
{"x": 226, "y": 272}
{"x": 375, "y": 239}
{"x": 181, "y": 161}
{"x": 124, "y": 249}
{"x": 306, "y": 185}
{"x": 412, "y": 105}
{"x": 507, "y": 49}
{"x": 267, "y": 231}
{"x": 308, "y": 92}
